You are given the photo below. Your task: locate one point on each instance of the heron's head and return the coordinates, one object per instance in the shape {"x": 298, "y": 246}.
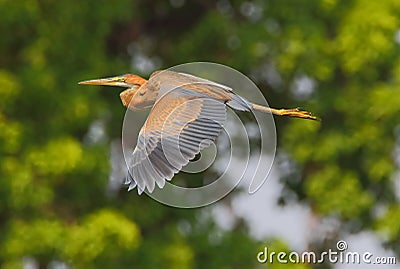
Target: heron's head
{"x": 127, "y": 81}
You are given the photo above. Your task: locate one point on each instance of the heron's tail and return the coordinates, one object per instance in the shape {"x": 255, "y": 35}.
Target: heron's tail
{"x": 239, "y": 103}
{"x": 296, "y": 112}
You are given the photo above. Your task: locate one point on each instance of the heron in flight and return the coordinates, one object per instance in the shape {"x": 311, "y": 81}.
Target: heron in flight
{"x": 187, "y": 113}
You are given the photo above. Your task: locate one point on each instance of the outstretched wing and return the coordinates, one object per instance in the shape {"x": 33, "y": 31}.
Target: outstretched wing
{"x": 180, "y": 125}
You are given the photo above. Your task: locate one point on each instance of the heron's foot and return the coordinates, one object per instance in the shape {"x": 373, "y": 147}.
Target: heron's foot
{"x": 298, "y": 113}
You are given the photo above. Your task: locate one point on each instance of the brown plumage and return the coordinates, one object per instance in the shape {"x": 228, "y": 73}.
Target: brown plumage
{"x": 186, "y": 116}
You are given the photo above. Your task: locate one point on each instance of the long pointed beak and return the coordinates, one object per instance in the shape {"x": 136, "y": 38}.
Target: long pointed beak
{"x": 113, "y": 81}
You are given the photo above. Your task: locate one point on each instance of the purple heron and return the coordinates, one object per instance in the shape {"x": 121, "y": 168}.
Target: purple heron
{"x": 187, "y": 113}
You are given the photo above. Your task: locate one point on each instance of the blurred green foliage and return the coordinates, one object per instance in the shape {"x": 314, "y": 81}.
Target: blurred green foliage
{"x": 53, "y": 203}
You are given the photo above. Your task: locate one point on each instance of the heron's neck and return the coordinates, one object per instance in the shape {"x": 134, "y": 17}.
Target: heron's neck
{"x": 127, "y": 95}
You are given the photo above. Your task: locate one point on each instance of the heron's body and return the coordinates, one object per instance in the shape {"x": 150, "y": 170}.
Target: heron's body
{"x": 186, "y": 116}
